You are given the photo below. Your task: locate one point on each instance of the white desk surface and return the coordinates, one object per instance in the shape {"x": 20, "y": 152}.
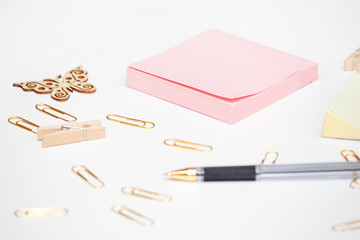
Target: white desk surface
{"x": 40, "y": 39}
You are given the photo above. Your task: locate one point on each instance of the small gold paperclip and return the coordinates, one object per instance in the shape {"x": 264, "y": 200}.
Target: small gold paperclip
{"x": 94, "y": 181}
{"x": 20, "y": 121}
{"x": 132, "y": 215}
{"x": 354, "y": 184}
{"x": 267, "y": 154}
{"x": 47, "y": 110}
{"x": 173, "y": 142}
{"x": 146, "y": 194}
{"x": 347, "y": 226}
{"x": 40, "y": 212}
{"x": 349, "y": 153}
{"x": 131, "y": 121}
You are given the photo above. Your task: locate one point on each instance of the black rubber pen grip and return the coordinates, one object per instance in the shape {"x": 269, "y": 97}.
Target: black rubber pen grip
{"x": 238, "y": 173}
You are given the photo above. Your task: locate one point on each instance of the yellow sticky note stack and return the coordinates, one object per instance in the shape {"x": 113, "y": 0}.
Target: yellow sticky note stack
{"x": 343, "y": 118}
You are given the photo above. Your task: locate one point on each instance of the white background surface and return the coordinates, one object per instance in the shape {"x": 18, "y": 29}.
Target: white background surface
{"x": 40, "y": 39}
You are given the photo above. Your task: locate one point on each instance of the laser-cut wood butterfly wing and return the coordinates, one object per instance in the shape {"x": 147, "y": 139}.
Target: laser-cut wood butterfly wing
{"x": 76, "y": 79}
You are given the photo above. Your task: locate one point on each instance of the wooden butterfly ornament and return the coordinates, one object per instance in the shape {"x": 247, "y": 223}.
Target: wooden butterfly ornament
{"x": 76, "y": 79}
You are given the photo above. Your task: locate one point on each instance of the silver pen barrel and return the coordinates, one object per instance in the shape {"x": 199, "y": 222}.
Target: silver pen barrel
{"x": 308, "y": 171}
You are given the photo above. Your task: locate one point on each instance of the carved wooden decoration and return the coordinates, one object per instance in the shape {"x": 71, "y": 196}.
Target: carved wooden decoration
{"x": 76, "y": 79}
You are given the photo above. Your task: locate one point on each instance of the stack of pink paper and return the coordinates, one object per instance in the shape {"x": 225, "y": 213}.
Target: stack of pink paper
{"x": 221, "y": 75}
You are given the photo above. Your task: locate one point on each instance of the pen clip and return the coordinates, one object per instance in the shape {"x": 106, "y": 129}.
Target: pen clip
{"x": 267, "y": 156}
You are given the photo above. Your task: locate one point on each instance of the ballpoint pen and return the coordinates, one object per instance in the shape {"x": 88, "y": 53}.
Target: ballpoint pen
{"x": 262, "y": 172}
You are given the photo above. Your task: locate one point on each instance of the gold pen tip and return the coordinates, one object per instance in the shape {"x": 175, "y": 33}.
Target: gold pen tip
{"x": 168, "y": 174}
{"x": 188, "y": 174}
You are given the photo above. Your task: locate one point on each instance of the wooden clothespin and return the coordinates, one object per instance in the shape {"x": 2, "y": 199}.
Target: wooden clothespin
{"x": 71, "y": 133}
{"x": 353, "y": 61}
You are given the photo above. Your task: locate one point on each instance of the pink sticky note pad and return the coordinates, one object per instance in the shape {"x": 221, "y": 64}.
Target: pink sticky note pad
{"x": 221, "y": 75}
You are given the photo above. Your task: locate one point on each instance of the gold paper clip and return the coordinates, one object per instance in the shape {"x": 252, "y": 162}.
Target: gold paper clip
{"x": 347, "y": 226}
{"x": 266, "y": 156}
{"x": 146, "y": 194}
{"x": 188, "y": 145}
{"x": 354, "y": 184}
{"x": 40, "y": 212}
{"x": 131, "y": 121}
{"x": 45, "y": 109}
{"x": 20, "y": 121}
{"x": 94, "y": 181}
{"x": 349, "y": 153}
{"x": 132, "y": 215}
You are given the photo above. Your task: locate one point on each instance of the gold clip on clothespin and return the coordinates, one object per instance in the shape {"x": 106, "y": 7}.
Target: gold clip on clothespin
{"x": 173, "y": 142}
{"x": 88, "y": 176}
{"x": 132, "y": 215}
{"x": 347, "y": 226}
{"x": 347, "y": 155}
{"x": 71, "y": 133}
{"x": 24, "y": 124}
{"x": 267, "y": 156}
{"x": 40, "y": 212}
{"x": 131, "y": 121}
{"x": 146, "y": 194}
{"x": 56, "y": 113}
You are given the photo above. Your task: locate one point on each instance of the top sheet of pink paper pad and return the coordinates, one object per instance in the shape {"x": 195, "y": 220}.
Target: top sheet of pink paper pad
{"x": 223, "y": 65}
